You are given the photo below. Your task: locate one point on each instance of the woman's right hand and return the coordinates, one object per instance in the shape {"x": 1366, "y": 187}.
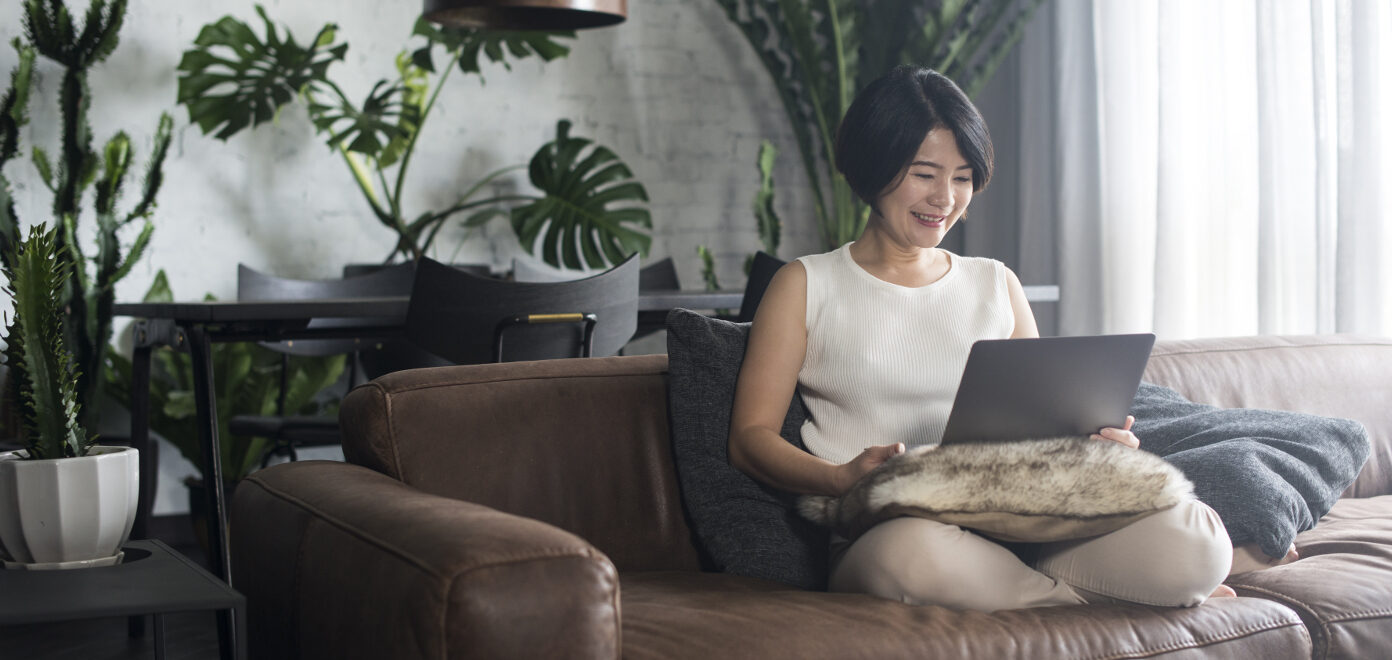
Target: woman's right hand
{"x": 847, "y": 474}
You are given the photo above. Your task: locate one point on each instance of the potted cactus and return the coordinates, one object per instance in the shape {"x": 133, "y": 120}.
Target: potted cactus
{"x": 65, "y": 502}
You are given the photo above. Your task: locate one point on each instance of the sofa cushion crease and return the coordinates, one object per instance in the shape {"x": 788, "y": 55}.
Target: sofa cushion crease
{"x": 1351, "y": 615}
{"x": 672, "y": 616}
{"x": 1201, "y": 642}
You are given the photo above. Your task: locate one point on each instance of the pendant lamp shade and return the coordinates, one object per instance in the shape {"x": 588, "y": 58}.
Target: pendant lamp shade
{"x": 526, "y": 14}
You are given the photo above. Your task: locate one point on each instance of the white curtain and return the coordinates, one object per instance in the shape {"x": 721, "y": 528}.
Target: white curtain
{"x": 1218, "y": 168}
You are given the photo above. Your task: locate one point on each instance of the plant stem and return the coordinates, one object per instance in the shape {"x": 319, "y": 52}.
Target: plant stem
{"x": 419, "y": 250}
{"x": 365, "y": 185}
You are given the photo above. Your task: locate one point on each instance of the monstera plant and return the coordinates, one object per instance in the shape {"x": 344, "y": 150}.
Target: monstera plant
{"x": 819, "y": 53}
{"x": 591, "y": 211}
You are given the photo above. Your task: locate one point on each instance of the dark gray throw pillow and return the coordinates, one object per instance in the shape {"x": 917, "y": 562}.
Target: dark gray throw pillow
{"x": 741, "y": 526}
{"x": 1269, "y": 474}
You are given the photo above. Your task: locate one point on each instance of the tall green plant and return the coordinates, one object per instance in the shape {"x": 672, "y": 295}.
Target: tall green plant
{"x": 819, "y": 53}
{"x": 40, "y": 366}
{"x": 232, "y": 79}
{"x": 89, "y": 290}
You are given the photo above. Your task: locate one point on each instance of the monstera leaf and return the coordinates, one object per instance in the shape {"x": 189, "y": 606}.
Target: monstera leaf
{"x": 590, "y": 209}
{"x": 386, "y": 117}
{"x": 470, "y": 44}
{"x": 232, "y": 79}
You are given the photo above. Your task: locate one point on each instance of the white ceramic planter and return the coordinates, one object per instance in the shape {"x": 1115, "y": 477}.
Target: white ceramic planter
{"x": 67, "y": 512}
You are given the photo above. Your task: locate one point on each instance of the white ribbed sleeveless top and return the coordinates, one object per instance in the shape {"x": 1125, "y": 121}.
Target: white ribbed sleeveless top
{"x": 883, "y": 361}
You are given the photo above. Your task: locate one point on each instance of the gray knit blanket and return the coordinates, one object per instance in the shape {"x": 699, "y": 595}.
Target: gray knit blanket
{"x": 1269, "y": 474}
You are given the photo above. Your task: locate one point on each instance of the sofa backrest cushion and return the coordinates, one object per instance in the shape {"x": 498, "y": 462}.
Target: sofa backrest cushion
{"x": 1333, "y": 375}
{"x": 581, "y": 444}
{"x": 742, "y": 527}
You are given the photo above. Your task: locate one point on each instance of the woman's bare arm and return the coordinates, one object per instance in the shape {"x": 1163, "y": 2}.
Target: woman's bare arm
{"x": 1025, "y": 326}
{"x": 767, "y": 380}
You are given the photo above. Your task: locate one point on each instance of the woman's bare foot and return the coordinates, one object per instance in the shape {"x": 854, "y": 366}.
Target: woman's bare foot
{"x": 1247, "y": 558}
{"x": 1223, "y": 591}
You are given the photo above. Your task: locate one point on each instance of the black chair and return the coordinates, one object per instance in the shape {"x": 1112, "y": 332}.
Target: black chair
{"x": 468, "y": 319}
{"x": 287, "y": 432}
{"x": 355, "y": 270}
{"x": 660, "y": 275}
{"x": 760, "y": 274}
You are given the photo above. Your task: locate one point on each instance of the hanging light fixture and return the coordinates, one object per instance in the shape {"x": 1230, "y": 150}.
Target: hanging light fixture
{"x": 526, "y": 14}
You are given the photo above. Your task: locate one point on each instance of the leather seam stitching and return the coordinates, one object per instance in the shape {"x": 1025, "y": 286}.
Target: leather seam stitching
{"x": 1203, "y": 642}
{"x": 1359, "y": 616}
{"x": 513, "y": 379}
{"x": 611, "y": 579}
{"x": 1249, "y": 349}
{"x": 391, "y": 435}
{"x": 553, "y": 552}
{"x": 1283, "y": 598}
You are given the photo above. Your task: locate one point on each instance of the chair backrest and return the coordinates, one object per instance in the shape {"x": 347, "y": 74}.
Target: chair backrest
{"x": 660, "y": 275}
{"x": 354, "y": 270}
{"x": 384, "y": 282}
{"x": 530, "y": 271}
{"x": 760, "y": 274}
{"x": 454, "y": 314}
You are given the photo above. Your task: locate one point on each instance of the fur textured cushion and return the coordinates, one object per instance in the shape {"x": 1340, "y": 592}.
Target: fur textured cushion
{"x": 1033, "y": 491}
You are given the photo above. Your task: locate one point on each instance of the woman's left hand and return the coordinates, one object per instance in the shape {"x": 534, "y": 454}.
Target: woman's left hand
{"x": 1121, "y": 436}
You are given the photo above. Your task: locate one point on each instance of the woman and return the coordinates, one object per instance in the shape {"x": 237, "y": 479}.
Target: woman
{"x": 877, "y": 333}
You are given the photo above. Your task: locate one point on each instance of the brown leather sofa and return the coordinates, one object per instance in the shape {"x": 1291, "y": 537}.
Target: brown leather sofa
{"x": 531, "y": 510}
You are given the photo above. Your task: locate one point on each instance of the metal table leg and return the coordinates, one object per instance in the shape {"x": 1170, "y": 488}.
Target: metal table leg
{"x": 159, "y": 637}
{"x": 205, "y": 396}
{"x": 145, "y": 339}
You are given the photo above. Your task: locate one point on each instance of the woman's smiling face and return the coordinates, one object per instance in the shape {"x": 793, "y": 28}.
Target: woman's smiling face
{"x": 931, "y": 196}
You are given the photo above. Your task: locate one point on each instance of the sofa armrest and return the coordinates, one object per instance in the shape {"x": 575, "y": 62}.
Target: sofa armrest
{"x": 338, "y": 561}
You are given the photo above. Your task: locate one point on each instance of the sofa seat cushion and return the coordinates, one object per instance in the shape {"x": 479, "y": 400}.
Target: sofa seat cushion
{"x": 1340, "y": 586}
{"x": 671, "y": 615}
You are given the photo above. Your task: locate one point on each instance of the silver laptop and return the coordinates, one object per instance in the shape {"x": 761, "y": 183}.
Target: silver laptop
{"x": 1014, "y": 389}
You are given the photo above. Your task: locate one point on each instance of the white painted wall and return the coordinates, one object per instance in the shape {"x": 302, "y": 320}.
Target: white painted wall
{"x": 675, "y": 91}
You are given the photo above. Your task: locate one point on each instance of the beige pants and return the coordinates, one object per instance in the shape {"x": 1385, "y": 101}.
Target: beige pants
{"x": 1176, "y": 557}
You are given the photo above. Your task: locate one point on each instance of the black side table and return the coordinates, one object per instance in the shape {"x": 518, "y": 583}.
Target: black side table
{"x": 151, "y": 579}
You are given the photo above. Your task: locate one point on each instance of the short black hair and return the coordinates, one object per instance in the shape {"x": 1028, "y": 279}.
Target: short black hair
{"x": 885, "y": 125}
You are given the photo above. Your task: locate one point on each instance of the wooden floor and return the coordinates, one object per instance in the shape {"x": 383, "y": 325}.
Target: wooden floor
{"x": 187, "y": 635}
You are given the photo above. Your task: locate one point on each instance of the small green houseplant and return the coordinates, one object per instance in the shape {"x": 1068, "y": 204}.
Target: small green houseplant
{"x": 590, "y": 210}
{"x": 96, "y": 487}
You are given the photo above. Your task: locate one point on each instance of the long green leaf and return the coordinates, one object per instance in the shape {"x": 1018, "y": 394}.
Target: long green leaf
{"x": 770, "y": 226}
{"x": 36, "y": 352}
